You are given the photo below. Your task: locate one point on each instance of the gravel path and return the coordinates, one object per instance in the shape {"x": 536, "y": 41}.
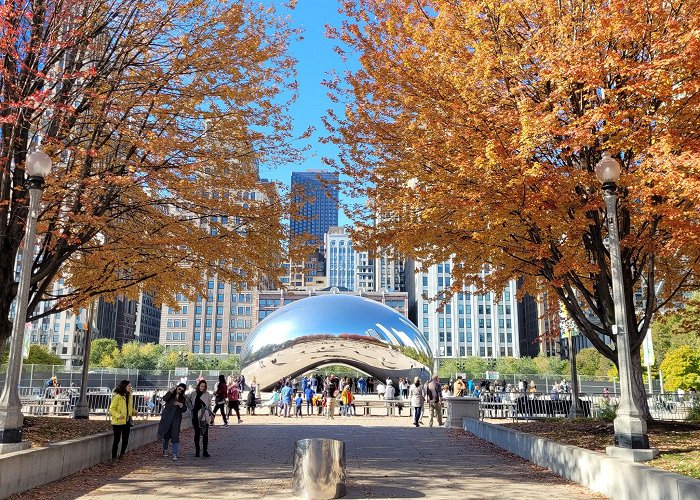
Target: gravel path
{"x": 386, "y": 458}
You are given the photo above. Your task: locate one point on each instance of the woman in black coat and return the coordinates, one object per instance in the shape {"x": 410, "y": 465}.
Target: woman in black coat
{"x": 250, "y": 402}
{"x": 171, "y": 418}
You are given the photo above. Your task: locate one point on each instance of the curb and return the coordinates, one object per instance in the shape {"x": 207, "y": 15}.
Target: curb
{"x": 618, "y": 479}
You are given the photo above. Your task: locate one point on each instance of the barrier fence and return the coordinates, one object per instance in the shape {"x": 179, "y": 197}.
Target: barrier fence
{"x": 61, "y": 401}
{"x": 663, "y": 406}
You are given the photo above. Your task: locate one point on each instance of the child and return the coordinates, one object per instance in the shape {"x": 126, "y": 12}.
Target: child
{"x": 297, "y": 403}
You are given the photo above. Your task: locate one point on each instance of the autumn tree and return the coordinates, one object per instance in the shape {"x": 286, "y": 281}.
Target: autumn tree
{"x": 677, "y": 328}
{"x": 156, "y": 115}
{"x": 681, "y": 368}
{"x": 474, "y": 128}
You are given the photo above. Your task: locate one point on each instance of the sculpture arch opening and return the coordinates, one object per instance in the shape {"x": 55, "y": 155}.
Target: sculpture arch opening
{"x": 334, "y": 329}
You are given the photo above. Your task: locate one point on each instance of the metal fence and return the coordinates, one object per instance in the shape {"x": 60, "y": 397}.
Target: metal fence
{"x": 664, "y": 406}
{"x": 61, "y": 401}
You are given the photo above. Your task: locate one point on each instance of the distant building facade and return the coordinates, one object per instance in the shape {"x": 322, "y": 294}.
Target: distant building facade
{"x": 470, "y": 324}
{"x": 147, "y": 328}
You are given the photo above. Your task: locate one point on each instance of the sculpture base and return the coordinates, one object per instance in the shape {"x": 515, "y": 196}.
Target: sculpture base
{"x": 631, "y": 454}
{"x": 459, "y": 408}
{"x": 13, "y": 447}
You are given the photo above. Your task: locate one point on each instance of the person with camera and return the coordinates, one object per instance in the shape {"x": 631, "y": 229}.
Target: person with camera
{"x": 171, "y": 418}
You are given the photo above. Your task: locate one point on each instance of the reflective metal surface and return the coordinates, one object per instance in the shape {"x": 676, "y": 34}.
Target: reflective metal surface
{"x": 334, "y": 329}
{"x": 319, "y": 468}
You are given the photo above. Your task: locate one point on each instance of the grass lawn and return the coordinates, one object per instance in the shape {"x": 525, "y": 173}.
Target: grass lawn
{"x": 678, "y": 442}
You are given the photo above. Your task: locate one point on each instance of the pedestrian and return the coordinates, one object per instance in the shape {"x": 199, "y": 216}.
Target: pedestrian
{"x": 220, "y": 399}
{"x": 362, "y": 385}
{"x": 381, "y": 389}
{"x": 460, "y": 388}
{"x": 286, "y": 393}
{"x": 417, "y": 395}
{"x": 309, "y": 395}
{"x": 199, "y": 402}
{"x": 171, "y": 419}
{"x": 122, "y": 410}
{"x": 234, "y": 403}
{"x": 434, "y": 395}
{"x": 347, "y": 399}
{"x": 389, "y": 396}
{"x": 273, "y": 401}
{"x": 297, "y": 405}
{"x": 250, "y": 403}
{"x": 330, "y": 393}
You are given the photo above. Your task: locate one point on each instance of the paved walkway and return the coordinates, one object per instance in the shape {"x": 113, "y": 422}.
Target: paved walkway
{"x": 386, "y": 458}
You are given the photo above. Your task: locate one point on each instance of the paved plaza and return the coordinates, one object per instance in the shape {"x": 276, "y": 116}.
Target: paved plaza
{"x": 386, "y": 458}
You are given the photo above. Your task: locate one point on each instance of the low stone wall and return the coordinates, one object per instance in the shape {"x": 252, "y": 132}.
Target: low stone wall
{"x": 618, "y": 479}
{"x": 22, "y": 470}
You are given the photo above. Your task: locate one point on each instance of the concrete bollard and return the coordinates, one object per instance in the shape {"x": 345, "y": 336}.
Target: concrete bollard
{"x": 319, "y": 469}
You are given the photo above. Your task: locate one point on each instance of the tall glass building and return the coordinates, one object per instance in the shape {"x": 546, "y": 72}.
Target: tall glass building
{"x": 317, "y": 191}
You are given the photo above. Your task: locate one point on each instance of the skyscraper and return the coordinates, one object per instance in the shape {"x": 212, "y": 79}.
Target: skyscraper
{"x": 317, "y": 192}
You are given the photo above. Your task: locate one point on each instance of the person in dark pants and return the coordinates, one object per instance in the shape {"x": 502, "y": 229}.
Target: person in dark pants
{"x": 220, "y": 399}
{"x": 199, "y": 402}
{"x": 234, "y": 401}
{"x": 122, "y": 410}
{"x": 251, "y": 402}
{"x": 171, "y": 419}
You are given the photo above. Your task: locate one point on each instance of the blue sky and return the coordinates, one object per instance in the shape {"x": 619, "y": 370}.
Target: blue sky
{"x": 315, "y": 59}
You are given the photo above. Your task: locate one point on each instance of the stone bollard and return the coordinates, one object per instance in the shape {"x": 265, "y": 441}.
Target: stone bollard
{"x": 319, "y": 469}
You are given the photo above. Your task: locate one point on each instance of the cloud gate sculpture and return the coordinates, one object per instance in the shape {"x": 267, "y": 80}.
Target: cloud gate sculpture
{"x": 334, "y": 329}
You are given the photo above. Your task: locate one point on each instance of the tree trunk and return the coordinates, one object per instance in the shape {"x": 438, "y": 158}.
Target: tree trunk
{"x": 5, "y": 323}
{"x": 639, "y": 393}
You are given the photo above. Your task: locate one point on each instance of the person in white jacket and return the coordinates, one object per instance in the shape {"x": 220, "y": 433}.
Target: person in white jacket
{"x": 199, "y": 403}
{"x": 417, "y": 395}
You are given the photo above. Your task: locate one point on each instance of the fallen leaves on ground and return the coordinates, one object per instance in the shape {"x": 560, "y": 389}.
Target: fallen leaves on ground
{"x": 43, "y": 430}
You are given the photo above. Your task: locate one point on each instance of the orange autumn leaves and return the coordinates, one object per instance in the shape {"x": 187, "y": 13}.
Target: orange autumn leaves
{"x": 495, "y": 114}
{"x": 156, "y": 115}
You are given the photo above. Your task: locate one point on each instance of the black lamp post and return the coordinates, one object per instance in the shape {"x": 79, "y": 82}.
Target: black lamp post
{"x": 630, "y": 427}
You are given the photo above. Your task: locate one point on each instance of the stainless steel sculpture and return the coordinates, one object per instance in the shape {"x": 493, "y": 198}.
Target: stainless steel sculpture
{"x": 319, "y": 469}
{"x": 334, "y": 329}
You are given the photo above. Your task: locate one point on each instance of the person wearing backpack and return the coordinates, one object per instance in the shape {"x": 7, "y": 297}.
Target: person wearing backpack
{"x": 199, "y": 402}
{"x": 220, "y": 399}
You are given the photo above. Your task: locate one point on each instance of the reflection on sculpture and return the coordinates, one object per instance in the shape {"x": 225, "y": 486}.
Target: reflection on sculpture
{"x": 334, "y": 329}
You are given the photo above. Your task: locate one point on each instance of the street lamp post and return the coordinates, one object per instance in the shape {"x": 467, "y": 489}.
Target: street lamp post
{"x": 82, "y": 410}
{"x": 37, "y": 166}
{"x": 630, "y": 428}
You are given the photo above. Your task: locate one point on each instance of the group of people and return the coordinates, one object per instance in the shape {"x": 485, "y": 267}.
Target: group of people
{"x": 319, "y": 395}
{"x": 175, "y": 402}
